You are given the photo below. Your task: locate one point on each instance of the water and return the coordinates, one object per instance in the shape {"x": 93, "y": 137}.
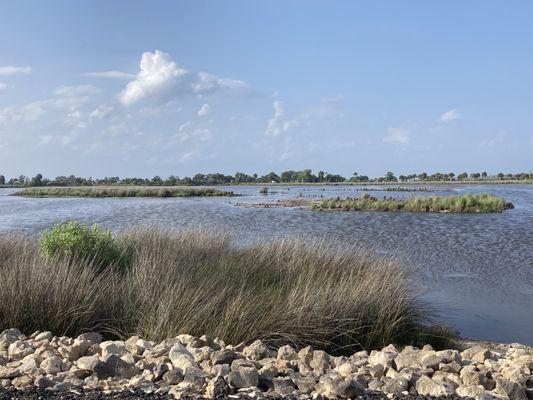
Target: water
{"x": 477, "y": 268}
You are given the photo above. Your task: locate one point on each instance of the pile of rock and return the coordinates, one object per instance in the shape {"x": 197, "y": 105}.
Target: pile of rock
{"x": 191, "y": 367}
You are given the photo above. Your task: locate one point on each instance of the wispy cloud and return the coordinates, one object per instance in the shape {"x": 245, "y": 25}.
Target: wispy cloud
{"x": 110, "y": 75}
{"x": 397, "y": 135}
{"x": 13, "y": 70}
{"x": 3, "y": 87}
{"x": 451, "y": 115}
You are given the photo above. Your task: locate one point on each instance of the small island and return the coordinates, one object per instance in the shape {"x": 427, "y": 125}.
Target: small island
{"x": 468, "y": 203}
{"x": 118, "y": 191}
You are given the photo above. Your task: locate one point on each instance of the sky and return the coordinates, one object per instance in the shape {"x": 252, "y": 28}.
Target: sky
{"x": 144, "y": 88}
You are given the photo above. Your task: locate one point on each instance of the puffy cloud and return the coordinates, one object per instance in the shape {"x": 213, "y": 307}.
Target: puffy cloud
{"x": 397, "y": 135}
{"x": 204, "y": 110}
{"x": 110, "y": 75}
{"x": 159, "y": 78}
{"x": 450, "y": 115}
{"x": 3, "y": 87}
{"x": 12, "y": 70}
{"x": 275, "y": 124}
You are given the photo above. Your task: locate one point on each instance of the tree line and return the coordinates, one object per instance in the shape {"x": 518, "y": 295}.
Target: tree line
{"x": 290, "y": 176}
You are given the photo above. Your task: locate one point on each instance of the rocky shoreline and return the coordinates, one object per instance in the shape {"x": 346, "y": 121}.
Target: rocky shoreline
{"x": 45, "y": 366}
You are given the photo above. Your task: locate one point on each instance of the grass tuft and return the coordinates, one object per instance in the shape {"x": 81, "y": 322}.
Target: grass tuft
{"x": 199, "y": 282}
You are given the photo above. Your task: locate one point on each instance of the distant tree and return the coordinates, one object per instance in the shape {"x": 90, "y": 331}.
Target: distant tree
{"x": 37, "y": 180}
{"x": 389, "y": 177}
{"x": 2, "y": 180}
{"x": 484, "y": 174}
{"x": 501, "y": 175}
{"x": 475, "y": 175}
{"x": 423, "y": 176}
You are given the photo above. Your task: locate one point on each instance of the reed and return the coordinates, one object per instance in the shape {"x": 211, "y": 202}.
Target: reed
{"x": 201, "y": 282}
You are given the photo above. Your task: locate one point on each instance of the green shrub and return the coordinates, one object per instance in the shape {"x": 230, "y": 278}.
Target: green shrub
{"x": 74, "y": 240}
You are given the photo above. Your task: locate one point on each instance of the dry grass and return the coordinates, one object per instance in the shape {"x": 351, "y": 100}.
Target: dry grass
{"x": 198, "y": 282}
{"x": 121, "y": 191}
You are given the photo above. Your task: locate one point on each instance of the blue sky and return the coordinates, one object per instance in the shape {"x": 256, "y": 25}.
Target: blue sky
{"x": 134, "y": 88}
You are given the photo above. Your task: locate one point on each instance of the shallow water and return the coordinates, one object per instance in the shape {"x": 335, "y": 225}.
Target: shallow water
{"x": 477, "y": 268}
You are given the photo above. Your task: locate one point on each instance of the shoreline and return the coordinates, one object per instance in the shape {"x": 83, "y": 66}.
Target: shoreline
{"x": 203, "y": 367}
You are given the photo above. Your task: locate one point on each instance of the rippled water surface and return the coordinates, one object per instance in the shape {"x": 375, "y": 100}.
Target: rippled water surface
{"x": 477, "y": 268}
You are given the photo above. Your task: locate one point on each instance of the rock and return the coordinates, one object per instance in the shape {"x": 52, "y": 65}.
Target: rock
{"x": 471, "y": 376}
{"x": 173, "y": 377}
{"x": 23, "y": 381}
{"x": 396, "y": 386}
{"x": 346, "y": 369}
{"x": 305, "y": 356}
{"x": 243, "y": 374}
{"x": 425, "y": 386}
{"x": 91, "y": 337}
{"x": 257, "y": 351}
{"x": 19, "y": 349}
{"x": 287, "y": 353}
{"x": 43, "y": 382}
{"x": 217, "y": 389}
{"x": 283, "y": 385}
{"x": 321, "y": 361}
{"x": 52, "y": 365}
{"x": 430, "y": 359}
{"x": 116, "y": 347}
{"x": 511, "y": 390}
{"x": 87, "y": 362}
{"x": 475, "y": 392}
{"x": 223, "y": 356}
{"x": 181, "y": 358}
{"x": 9, "y": 373}
{"x": 44, "y": 336}
{"x": 114, "y": 366}
{"x": 333, "y": 385}
{"x": 407, "y": 358}
{"x": 382, "y": 358}
{"x": 305, "y": 384}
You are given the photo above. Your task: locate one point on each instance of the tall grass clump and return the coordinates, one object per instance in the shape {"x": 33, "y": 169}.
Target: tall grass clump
{"x": 469, "y": 203}
{"x": 199, "y": 282}
{"x": 122, "y": 191}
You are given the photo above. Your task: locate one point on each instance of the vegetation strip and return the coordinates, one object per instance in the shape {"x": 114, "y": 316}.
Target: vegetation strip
{"x": 469, "y": 203}
{"x": 122, "y": 192}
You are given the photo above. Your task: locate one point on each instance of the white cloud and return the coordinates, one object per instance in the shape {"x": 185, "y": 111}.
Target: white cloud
{"x": 494, "y": 141}
{"x": 159, "y": 78}
{"x": 275, "y": 124}
{"x": 80, "y": 90}
{"x": 451, "y": 115}
{"x": 189, "y": 156}
{"x": 204, "y": 110}
{"x": 12, "y": 70}
{"x": 397, "y": 135}
{"x": 189, "y": 131}
{"x": 110, "y": 75}
{"x": 101, "y": 112}
{"x": 3, "y": 87}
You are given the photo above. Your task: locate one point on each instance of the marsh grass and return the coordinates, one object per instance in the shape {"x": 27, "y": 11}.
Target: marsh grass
{"x": 469, "y": 203}
{"x": 200, "y": 282}
{"x": 122, "y": 191}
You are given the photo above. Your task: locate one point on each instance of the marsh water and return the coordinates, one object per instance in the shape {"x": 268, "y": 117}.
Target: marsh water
{"x": 477, "y": 269}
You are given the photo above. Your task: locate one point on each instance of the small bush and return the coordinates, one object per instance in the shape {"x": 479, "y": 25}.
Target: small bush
{"x": 74, "y": 240}
{"x": 263, "y": 190}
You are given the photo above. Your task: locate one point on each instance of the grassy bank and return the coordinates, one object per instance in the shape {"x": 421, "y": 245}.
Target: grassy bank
{"x": 122, "y": 191}
{"x": 469, "y": 203}
{"x": 159, "y": 284}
